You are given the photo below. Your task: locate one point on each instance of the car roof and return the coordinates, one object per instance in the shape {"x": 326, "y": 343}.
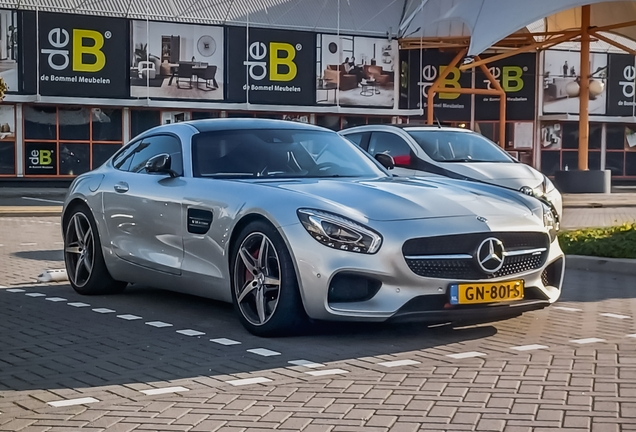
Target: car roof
{"x": 406, "y": 127}
{"x": 218, "y": 124}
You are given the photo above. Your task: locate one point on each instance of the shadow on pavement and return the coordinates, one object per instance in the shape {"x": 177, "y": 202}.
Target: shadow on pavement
{"x": 584, "y": 286}
{"x": 41, "y": 255}
{"x": 47, "y": 344}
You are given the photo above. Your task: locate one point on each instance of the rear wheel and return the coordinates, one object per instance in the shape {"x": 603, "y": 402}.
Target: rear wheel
{"x": 264, "y": 283}
{"x": 83, "y": 256}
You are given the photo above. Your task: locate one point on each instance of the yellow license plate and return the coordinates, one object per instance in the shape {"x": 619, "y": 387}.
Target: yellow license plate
{"x": 474, "y": 293}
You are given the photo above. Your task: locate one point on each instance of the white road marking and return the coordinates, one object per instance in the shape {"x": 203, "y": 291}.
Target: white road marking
{"x": 263, "y": 352}
{"x": 247, "y": 381}
{"x": 14, "y": 290}
{"x": 55, "y": 299}
{"x": 71, "y": 402}
{"x": 225, "y": 341}
{"x": 632, "y": 336}
{"x": 28, "y": 244}
{"x": 190, "y": 332}
{"x": 617, "y": 316}
{"x": 587, "y": 341}
{"x": 469, "y": 354}
{"x": 327, "y": 372}
{"x": 129, "y": 317}
{"x": 78, "y": 304}
{"x": 397, "y": 363}
{"x": 158, "y": 324}
{"x": 43, "y": 200}
{"x": 35, "y": 295}
{"x": 567, "y": 309}
{"x": 529, "y": 347}
{"x": 103, "y": 310}
{"x": 164, "y": 390}
{"x": 305, "y": 363}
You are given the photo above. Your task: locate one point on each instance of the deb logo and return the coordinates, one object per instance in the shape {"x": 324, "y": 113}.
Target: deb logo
{"x": 509, "y": 77}
{"x": 629, "y": 74}
{"x": 429, "y": 75}
{"x": 274, "y": 61}
{"x": 81, "y": 49}
{"x": 41, "y": 157}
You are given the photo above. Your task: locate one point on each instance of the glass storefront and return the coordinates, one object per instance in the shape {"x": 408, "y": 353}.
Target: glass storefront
{"x": 7, "y": 141}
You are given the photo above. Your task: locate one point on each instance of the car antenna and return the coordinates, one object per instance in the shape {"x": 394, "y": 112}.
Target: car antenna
{"x": 439, "y": 125}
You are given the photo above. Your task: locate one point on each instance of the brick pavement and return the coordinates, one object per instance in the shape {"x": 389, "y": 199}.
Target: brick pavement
{"x": 53, "y": 349}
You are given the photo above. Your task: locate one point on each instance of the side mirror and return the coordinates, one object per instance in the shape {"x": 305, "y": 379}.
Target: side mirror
{"x": 386, "y": 160}
{"x": 161, "y": 164}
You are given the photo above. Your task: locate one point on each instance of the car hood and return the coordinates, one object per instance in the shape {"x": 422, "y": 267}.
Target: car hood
{"x": 396, "y": 198}
{"x": 510, "y": 175}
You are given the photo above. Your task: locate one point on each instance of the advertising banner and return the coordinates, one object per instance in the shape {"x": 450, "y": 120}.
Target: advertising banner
{"x": 176, "y": 61}
{"x": 621, "y": 84}
{"x": 79, "y": 56}
{"x": 517, "y": 76}
{"x": 276, "y": 67}
{"x": 355, "y": 71}
{"x": 40, "y": 158}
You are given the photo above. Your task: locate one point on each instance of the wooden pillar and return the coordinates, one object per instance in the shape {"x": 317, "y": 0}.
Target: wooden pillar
{"x": 584, "y": 92}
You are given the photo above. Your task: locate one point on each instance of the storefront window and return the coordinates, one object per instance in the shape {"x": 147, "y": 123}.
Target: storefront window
{"x": 142, "y": 120}
{"x": 7, "y": 140}
{"x": 615, "y": 161}
{"x": 615, "y": 137}
{"x": 69, "y": 141}
{"x": 201, "y": 115}
{"x": 7, "y": 158}
{"x": 550, "y": 162}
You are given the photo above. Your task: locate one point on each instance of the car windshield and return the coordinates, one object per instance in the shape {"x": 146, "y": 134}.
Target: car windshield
{"x": 286, "y": 153}
{"x": 455, "y": 146}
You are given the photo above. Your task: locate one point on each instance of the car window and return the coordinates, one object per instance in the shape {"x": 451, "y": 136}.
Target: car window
{"x": 355, "y": 138}
{"x": 156, "y": 145}
{"x": 279, "y": 153}
{"x": 123, "y": 159}
{"x": 391, "y": 144}
{"x": 458, "y": 146}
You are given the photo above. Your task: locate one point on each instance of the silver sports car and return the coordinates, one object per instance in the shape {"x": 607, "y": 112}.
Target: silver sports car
{"x": 292, "y": 222}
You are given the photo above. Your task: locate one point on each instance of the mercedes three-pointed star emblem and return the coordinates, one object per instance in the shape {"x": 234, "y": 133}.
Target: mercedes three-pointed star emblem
{"x": 490, "y": 255}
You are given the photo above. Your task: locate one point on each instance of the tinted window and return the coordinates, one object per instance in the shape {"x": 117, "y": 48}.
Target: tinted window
{"x": 355, "y": 138}
{"x": 123, "y": 159}
{"x": 391, "y": 144}
{"x": 454, "y": 146}
{"x": 156, "y": 145}
{"x": 279, "y": 153}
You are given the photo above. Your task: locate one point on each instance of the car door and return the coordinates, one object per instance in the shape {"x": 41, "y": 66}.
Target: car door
{"x": 143, "y": 211}
{"x": 395, "y": 146}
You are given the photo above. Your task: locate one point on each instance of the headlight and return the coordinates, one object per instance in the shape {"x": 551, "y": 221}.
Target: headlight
{"x": 338, "y": 232}
{"x": 550, "y": 222}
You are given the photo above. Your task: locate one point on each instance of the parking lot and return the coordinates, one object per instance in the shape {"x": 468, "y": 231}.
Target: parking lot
{"x": 155, "y": 360}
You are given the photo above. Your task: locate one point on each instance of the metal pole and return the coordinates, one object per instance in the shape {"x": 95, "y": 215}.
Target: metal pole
{"x": 37, "y": 50}
{"x": 247, "y": 57}
{"x": 147, "y": 55}
{"x": 340, "y": 60}
{"x": 584, "y": 92}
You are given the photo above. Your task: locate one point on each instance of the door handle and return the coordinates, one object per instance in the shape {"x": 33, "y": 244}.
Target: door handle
{"x": 121, "y": 187}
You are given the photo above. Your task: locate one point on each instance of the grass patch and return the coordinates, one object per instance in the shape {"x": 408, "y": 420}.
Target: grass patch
{"x": 612, "y": 242}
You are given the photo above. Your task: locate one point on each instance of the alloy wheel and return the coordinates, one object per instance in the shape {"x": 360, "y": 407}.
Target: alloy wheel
{"x": 79, "y": 249}
{"x": 257, "y": 278}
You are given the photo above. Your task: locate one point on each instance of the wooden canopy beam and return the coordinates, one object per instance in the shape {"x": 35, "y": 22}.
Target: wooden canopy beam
{"x": 613, "y": 43}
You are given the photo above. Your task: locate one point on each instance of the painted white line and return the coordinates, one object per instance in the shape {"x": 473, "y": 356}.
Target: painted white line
{"x": 529, "y": 347}
{"x": 567, "y": 309}
{"x": 190, "y": 332}
{"x": 632, "y": 336}
{"x": 158, "y": 324}
{"x": 59, "y": 243}
{"x": 28, "y": 244}
{"x": 35, "y": 295}
{"x": 1, "y": 245}
{"x": 225, "y": 341}
{"x": 14, "y": 290}
{"x": 71, "y": 402}
{"x": 165, "y": 390}
{"x": 263, "y": 352}
{"x": 55, "y": 299}
{"x": 587, "y": 341}
{"x": 397, "y": 363}
{"x": 247, "y": 381}
{"x": 43, "y": 200}
{"x": 617, "y": 316}
{"x": 469, "y": 354}
{"x": 306, "y": 363}
{"x": 78, "y": 304}
{"x": 129, "y": 317}
{"x": 103, "y": 310}
{"x": 327, "y": 372}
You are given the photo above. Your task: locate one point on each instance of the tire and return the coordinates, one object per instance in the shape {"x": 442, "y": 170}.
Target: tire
{"x": 272, "y": 284}
{"x": 83, "y": 256}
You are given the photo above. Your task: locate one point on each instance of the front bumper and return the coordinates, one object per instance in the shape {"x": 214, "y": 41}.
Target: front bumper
{"x": 402, "y": 294}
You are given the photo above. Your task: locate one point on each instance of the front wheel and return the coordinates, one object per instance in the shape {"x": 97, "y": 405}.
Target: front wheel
{"x": 264, "y": 283}
{"x": 83, "y": 256}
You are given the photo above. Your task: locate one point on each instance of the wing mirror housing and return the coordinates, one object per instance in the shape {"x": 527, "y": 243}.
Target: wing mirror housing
{"x": 385, "y": 160}
{"x": 161, "y": 164}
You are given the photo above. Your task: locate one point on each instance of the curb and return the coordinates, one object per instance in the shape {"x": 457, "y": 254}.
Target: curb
{"x": 595, "y": 205}
{"x": 600, "y": 264}
{"x": 25, "y": 211}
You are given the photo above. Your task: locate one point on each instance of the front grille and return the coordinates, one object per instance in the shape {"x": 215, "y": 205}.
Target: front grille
{"x": 466, "y": 267}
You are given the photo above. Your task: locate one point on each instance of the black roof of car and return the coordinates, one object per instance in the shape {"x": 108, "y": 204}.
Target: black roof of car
{"x": 210, "y": 125}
